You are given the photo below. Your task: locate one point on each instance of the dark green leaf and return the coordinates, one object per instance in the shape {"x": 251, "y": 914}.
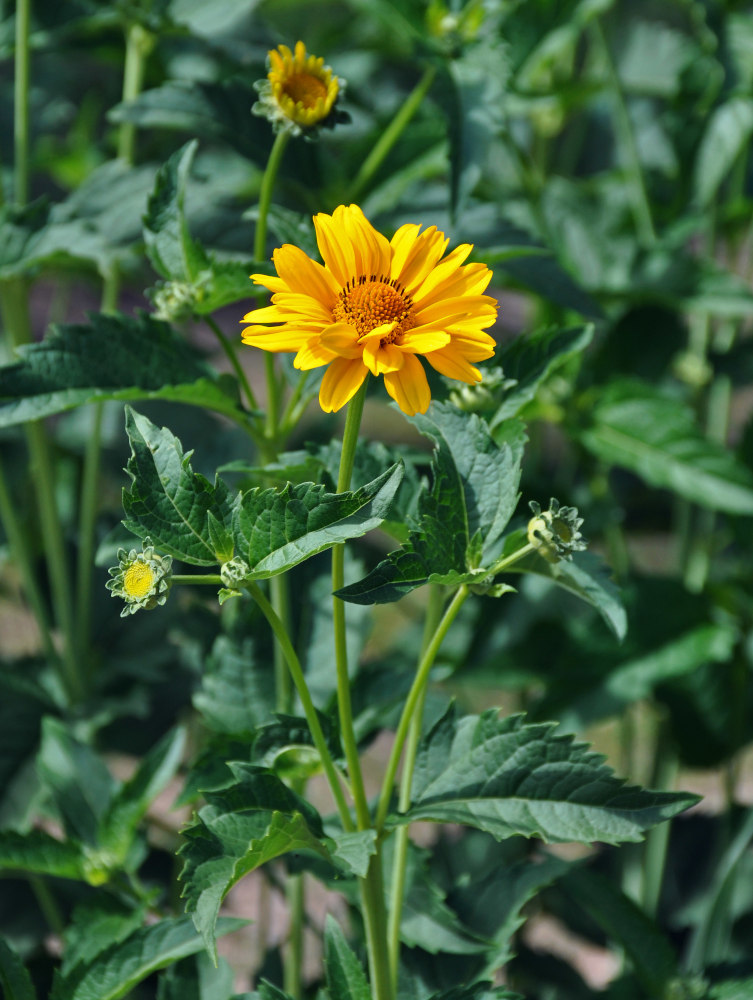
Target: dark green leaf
{"x": 41, "y": 854}
{"x": 113, "y": 357}
{"x": 644, "y": 430}
{"x": 275, "y": 531}
{"x": 508, "y": 777}
{"x": 14, "y": 977}
{"x": 168, "y": 501}
{"x": 236, "y": 690}
{"x": 346, "y": 979}
{"x": 116, "y": 971}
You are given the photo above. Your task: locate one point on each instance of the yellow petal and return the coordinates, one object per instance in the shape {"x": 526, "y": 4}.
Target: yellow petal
{"x": 472, "y": 306}
{"x": 370, "y": 249}
{"x": 428, "y": 249}
{"x": 270, "y": 281}
{"x": 378, "y": 333}
{"x": 287, "y": 339}
{"x": 312, "y": 355}
{"x": 383, "y": 359}
{"x": 409, "y": 387}
{"x": 443, "y": 271}
{"x": 402, "y": 244}
{"x": 336, "y": 251}
{"x": 452, "y": 364}
{"x": 302, "y": 274}
{"x": 341, "y": 339}
{"x": 267, "y": 314}
{"x": 421, "y": 343}
{"x": 341, "y": 382}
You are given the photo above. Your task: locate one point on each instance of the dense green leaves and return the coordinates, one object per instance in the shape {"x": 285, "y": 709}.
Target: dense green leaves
{"x": 642, "y": 429}
{"x": 111, "y": 357}
{"x": 508, "y": 777}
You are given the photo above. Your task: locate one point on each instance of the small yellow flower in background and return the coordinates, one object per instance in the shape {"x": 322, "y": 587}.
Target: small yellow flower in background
{"x": 555, "y": 532}
{"x": 300, "y": 92}
{"x": 374, "y": 306}
{"x": 141, "y": 579}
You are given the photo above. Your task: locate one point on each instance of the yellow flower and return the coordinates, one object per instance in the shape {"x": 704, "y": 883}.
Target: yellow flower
{"x": 374, "y": 306}
{"x": 300, "y": 91}
{"x": 141, "y": 579}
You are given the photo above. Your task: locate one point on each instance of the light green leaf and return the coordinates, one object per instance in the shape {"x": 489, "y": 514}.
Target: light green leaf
{"x": 169, "y": 246}
{"x": 112, "y": 357}
{"x": 41, "y": 854}
{"x": 168, "y": 501}
{"x": 346, "y": 979}
{"x": 14, "y": 976}
{"x": 275, "y": 531}
{"x": 728, "y": 132}
{"x": 116, "y": 971}
{"x": 131, "y": 801}
{"x": 352, "y": 852}
{"x": 81, "y": 785}
{"x": 642, "y": 429}
{"x": 508, "y": 777}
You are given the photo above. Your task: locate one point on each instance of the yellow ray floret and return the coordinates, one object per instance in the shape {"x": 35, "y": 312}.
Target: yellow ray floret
{"x": 375, "y": 305}
{"x": 300, "y": 92}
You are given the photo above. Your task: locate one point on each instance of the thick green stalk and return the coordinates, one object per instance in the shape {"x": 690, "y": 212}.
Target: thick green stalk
{"x": 139, "y": 43}
{"x": 412, "y": 701}
{"x": 21, "y": 103}
{"x": 296, "y": 672}
{"x": 292, "y": 968}
{"x": 400, "y": 854}
{"x": 644, "y": 223}
{"x": 391, "y": 134}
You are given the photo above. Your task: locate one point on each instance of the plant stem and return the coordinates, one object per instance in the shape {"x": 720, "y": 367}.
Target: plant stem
{"x": 391, "y": 134}
{"x": 232, "y": 357}
{"x": 139, "y": 43}
{"x": 400, "y": 854}
{"x": 292, "y": 970}
{"x": 198, "y": 579}
{"x": 312, "y": 718}
{"x": 626, "y": 139}
{"x": 412, "y": 701}
{"x": 21, "y": 103}
{"x": 664, "y": 778}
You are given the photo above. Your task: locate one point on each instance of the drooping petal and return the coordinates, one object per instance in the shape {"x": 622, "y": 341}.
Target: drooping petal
{"x": 421, "y": 343}
{"x": 341, "y": 382}
{"x": 312, "y": 355}
{"x": 381, "y": 359}
{"x": 409, "y": 386}
{"x": 341, "y": 339}
{"x": 451, "y": 363}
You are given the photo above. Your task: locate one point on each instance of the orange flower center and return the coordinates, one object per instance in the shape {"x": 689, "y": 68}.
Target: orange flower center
{"x": 366, "y": 303}
{"x": 305, "y": 88}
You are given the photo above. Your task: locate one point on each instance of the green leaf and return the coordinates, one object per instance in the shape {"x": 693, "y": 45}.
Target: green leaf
{"x": 197, "y": 978}
{"x": 169, "y": 246}
{"x": 352, "y": 852}
{"x": 618, "y": 916}
{"x": 131, "y": 801}
{"x": 235, "y": 695}
{"x": 112, "y": 357}
{"x": 728, "y": 132}
{"x": 508, "y": 777}
{"x": 284, "y": 744}
{"x": 640, "y": 428}
{"x": 39, "y": 853}
{"x": 275, "y": 531}
{"x": 81, "y": 785}
{"x": 529, "y": 360}
{"x": 116, "y": 971}
{"x": 461, "y": 519}
{"x": 585, "y": 575}
{"x": 346, "y": 979}
{"x": 242, "y": 827}
{"x": 95, "y": 926}
{"x": 14, "y": 977}
{"x": 168, "y": 501}
{"x": 732, "y": 989}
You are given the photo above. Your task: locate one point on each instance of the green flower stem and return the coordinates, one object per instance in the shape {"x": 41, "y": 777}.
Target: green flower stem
{"x": 664, "y": 778}
{"x": 198, "y": 579}
{"x": 412, "y": 702}
{"x": 21, "y": 103}
{"x": 232, "y": 357}
{"x": 89, "y": 505}
{"x": 295, "y": 895}
{"x": 400, "y": 855}
{"x": 22, "y": 559}
{"x": 139, "y": 43}
{"x": 626, "y": 140}
{"x": 391, "y": 134}
{"x": 299, "y": 680}
{"x": 14, "y": 302}
{"x": 502, "y": 564}
{"x": 260, "y": 243}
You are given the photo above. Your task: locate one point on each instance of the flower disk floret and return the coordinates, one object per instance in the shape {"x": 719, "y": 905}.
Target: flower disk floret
{"x": 141, "y": 579}
{"x": 374, "y": 306}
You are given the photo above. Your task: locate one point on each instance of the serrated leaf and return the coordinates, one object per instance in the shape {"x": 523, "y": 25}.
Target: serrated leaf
{"x": 346, "y": 979}
{"x": 653, "y": 958}
{"x": 41, "y": 854}
{"x": 530, "y": 359}
{"x": 275, "y": 531}
{"x": 15, "y": 980}
{"x": 112, "y": 357}
{"x": 169, "y": 246}
{"x": 96, "y": 926}
{"x": 461, "y": 519}
{"x": 352, "y": 852}
{"x": 242, "y": 827}
{"x": 168, "y": 501}
{"x": 81, "y": 785}
{"x": 642, "y": 429}
{"x": 132, "y": 800}
{"x": 237, "y": 692}
{"x": 116, "y": 971}
{"x": 508, "y": 777}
